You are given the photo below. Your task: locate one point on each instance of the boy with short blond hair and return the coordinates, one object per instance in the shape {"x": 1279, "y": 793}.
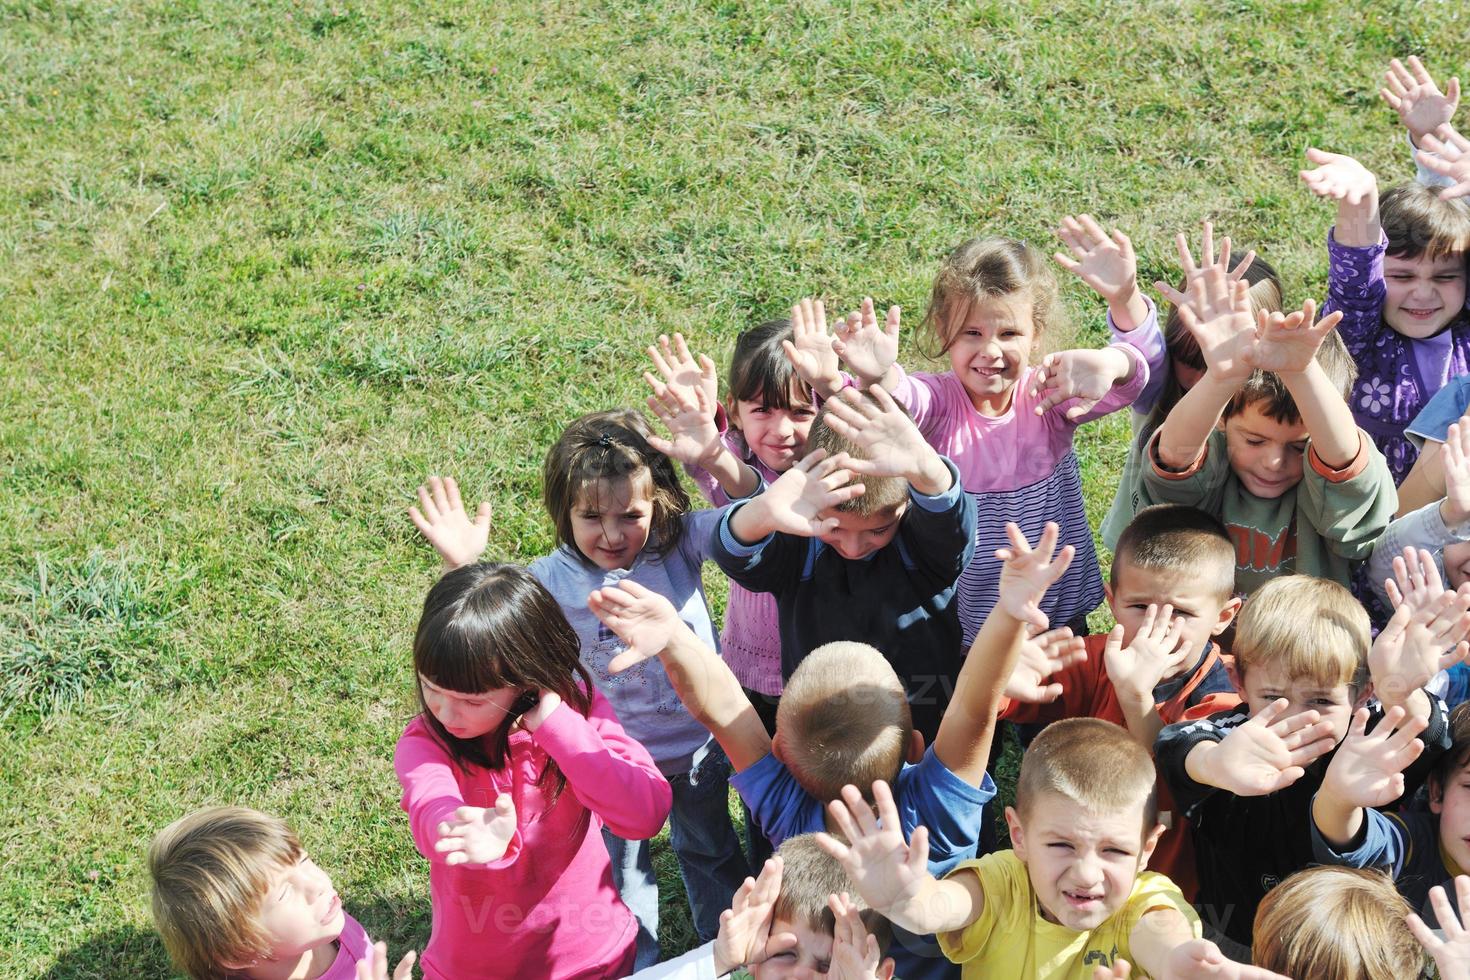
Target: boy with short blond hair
{"x": 1245, "y": 778}
{"x": 1265, "y": 442}
{"x": 1071, "y": 896}
{"x": 234, "y": 895}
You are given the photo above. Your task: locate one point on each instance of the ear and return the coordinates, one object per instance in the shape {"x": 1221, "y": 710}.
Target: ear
{"x": 1436, "y": 794}
{"x": 1017, "y": 832}
{"x": 886, "y": 969}
{"x": 915, "y": 752}
{"x": 1237, "y": 676}
{"x": 1364, "y": 696}
{"x": 1227, "y": 615}
{"x": 1108, "y": 592}
{"x": 1150, "y": 841}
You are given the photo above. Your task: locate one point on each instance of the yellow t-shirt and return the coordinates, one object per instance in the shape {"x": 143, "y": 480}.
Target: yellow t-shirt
{"x": 1011, "y": 939}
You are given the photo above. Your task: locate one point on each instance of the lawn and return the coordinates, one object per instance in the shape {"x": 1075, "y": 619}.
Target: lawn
{"x": 265, "y": 265}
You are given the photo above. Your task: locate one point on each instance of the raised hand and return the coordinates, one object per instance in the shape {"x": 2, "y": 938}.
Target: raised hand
{"x": 1456, "y": 456}
{"x": 1287, "y": 343}
{"x": 887, "y": 438}
{"x": 1412, "y": 647}
{"x": 795, "y": 502}
{"x": 1194, "y": 272}
{"x": 1447, "y": 153}
{"x": 1026, "y": 572}
{"x": 1338, "y": 177}
{"x": 1416, "y": 581}
{"x": 1218, "y": 315}
{"x": 855, "y": 953}
{"x": 1368, "y": 769}
{"x": 477, "y": 835}
{"x": 643, "y": 619}
{"x": 680, "y": 371}
{"x": 1264, "y": 754}
{"x": 1105, "y": 263}
{"x": 441, "y": 519}
{"x": 810, "y": 348}
{"x": 745, "y": 927}
{"x": 1201, "y": 959}
{"x": 375, "y": 967}
{"x": 689, "y": 415}
{"x": 886, "y": 870}
{"x": 1450, "y": 947}
{"x": 1042, "y": 656}
{"x": 1085, "y": 376}
{"x": 1157, "y": 651}
{"x": 1412, "y": 93}
{"x": 867, "y": 348}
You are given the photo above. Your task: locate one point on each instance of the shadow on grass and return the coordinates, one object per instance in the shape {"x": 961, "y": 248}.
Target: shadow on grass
{"x": 127, "y": 952}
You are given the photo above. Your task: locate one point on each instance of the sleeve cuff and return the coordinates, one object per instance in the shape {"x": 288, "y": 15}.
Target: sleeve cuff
{"x": 727, "y": 537}
{"x": 944, "y": 501}
{"x": 1355, "y": 466}
{"x": 1164, "y": 473}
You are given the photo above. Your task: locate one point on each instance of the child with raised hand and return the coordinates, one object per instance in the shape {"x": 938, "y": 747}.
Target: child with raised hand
{"x": 844, "y": 718}
{"x": 1411, "y": 92}
{"x": 509, "y": 771}
{"x": 876, "y": 561}
{"x": 1397, "y": 274}
{"x": 620, "y": 511}
{"x": 1449, "y": 945}
{"x": 1071, "y": 894}
{"x": 1182, "y": 365}
{"x": 1008, "y": 423}
{"x": 1245, "y": 777}
{"x": 1265, "y": 443}
{"x": 235, "y": 895}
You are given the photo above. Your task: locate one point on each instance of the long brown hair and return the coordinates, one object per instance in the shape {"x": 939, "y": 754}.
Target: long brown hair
{"x": 488, "y": 627}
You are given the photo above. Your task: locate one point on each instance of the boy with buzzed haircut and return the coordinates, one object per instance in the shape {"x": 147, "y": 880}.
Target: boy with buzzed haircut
{"x": 1171, "y": 594}
{"x": 877, "y": 567}
{"x": 849, "y": 706}
{"x": 1070, "y": 896}
{"x": 1265, "y": 442}
{"x": 1245, "y": 778}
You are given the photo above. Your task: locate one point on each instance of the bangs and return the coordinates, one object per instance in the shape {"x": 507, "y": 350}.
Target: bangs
{"x": 769, "y": 382}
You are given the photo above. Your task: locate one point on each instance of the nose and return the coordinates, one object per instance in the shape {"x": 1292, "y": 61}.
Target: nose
{"x": 1088, "y": 870}
{"x": 784, "y": 425}
{"x": 612, "y": 532}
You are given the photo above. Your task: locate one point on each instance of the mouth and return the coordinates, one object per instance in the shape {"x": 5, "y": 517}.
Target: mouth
{"x": 989, "y": 372}
{"x": 333, "y": 908}
{"x": 1083, "y": 901}
{"x": 1419, "y": 314}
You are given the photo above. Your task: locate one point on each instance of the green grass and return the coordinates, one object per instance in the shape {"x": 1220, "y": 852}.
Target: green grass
{"x": 265, "y": 265}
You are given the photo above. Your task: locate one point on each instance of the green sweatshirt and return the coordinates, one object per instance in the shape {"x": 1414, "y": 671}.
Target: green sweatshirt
{"x": 1318, "y": 527}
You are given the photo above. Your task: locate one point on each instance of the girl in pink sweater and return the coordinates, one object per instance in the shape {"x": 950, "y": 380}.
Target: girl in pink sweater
{"x": 509, "y": 773}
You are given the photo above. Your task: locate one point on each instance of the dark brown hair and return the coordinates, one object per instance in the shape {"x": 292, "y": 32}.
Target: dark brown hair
{"x": 489, "y": 627}
{"x": 612, "y": 446}
{"x": 1268, "y": 392}
{"x": 1417, "y": 221}
{"x": 760, "y": 371}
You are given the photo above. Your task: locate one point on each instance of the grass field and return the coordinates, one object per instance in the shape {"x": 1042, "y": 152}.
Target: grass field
{"x": 263, "y": 266}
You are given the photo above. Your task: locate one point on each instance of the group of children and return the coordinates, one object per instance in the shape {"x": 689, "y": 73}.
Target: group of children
{"x": 910, "y": 563}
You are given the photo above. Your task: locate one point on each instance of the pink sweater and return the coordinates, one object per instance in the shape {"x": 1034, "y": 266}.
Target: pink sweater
{"x": 548, "y": 907}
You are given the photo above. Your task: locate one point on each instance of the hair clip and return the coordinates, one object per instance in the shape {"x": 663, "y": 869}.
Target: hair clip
{"x": 605, "y": 441}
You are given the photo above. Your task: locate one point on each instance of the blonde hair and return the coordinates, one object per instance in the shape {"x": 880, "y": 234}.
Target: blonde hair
{"x": 810, "y": 875}
{"x": 1308, "y": 627}
{"x": 1094, "y": 763}
{"x": 211, "y": 871}
{"x": 987, "y": 268}
{"x": 879, "y": 492}
{"x": 1332, "y": 923}
{"x": 843, "y": 718}
{"x": 1179, "y": 541}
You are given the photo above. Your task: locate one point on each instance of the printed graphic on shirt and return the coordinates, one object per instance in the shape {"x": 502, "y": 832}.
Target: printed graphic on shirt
{"x": 646, "y": 677}
{"x": 1257, "y": 551}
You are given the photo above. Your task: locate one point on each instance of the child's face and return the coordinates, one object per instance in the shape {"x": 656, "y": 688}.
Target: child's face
{"x": 991, "y": 349}
{"x": 610, "y": 521}
{"x": 1265, "y": 454}
{"x": 1265, "y": 683}
{"x": 1423, "y": 294}
{"x": 1457, "y": 563}
{"x": 857, "y": 537}
{"x": 301, "y": 911}
{"x": 468, "y": 715}
{"x": 1082, "y": 865}
{"x": 777, "y": 436}
{"x": 813, "y": 952}
{"x": 1452, "y": 803}
{"x": 1205, "y": 613}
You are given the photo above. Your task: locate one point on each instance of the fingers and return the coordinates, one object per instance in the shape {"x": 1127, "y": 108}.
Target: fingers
{"x": 404, "y": 969}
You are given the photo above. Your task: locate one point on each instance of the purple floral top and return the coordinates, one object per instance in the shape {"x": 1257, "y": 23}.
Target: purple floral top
{"x": 1391, "y": 388}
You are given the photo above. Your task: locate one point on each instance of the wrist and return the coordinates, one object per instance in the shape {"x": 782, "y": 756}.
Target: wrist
{"x": 932, "y": 477}
{"x": 1452, "y": 513}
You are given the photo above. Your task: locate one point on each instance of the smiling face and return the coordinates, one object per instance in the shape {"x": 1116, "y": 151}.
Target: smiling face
{"x": 1082, "y": 865}
{"x": 1266, "y": 455}
{"x": 777, "y": 436}
{"x": 1265, "y": 683}
{"x": 611, "y": 519}
{"x": 1205, "y": 612}
{"x": 992, "y": 347}
{"x": 468, "y": 716}
{"x": 1423, "y": 294}
{"x": 1451, "y": 801}
{"x": 856, "y": 537}
{"x": 301, "y": 913}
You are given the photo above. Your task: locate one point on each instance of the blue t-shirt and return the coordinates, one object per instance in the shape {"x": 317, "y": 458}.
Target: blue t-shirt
{"x": 927, "y": 795}
{"x": 1447, "y": 405}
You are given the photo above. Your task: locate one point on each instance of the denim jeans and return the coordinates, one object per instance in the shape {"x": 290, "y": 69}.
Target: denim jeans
{"x": 710, "y": 860}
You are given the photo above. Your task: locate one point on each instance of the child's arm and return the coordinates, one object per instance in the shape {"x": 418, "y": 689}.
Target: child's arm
{"x": 1135, "y": 670}
{"x": 1108, "y": 267}
{"x": 1163, "y": 946}
{"x": 1366, "y": 770}
{"x": 435, "y": 803}
{"x": 1262, "y": 755}
{"x": 745, "y": 927}
{"x": 1427, "y": 621}
{"x": 892, "y": 876}
{"x": 1287, "y": 345}
{"x": 685, "y": 396}
{"x": 1450, "y": 946}
{"x": 890, "y": 441}
{"x": 810, "y": 349}
{"x": 650, "y": 626}
{"x": 1087, "y": 377}
{"x": 1220, "y": 319}
{"x": 794, "y": 503}
{"x": 1447, "y": 153}
{"x": 964, "y": 737}
{"x": 1355, "y": 189}
{"x": 1412, "y": 93}
{"x": 477, "y": 835}
{"x": 870, "y": 351}
{"x": 445, "y": 525}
